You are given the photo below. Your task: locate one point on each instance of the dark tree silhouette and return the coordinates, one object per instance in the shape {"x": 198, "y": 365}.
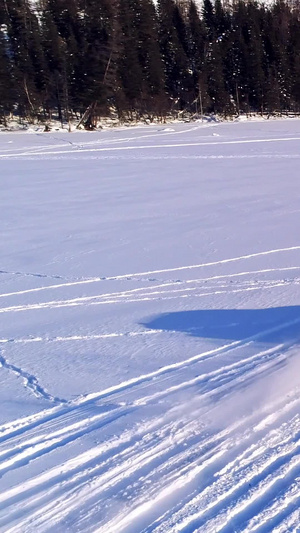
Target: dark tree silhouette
{"x": 88, "y": 58}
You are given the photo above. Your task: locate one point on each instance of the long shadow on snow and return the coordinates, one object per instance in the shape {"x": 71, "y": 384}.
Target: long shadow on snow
{"x": 278, "y": 324}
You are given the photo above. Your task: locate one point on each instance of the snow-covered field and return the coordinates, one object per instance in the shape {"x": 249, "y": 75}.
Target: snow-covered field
{"x": 150, "y": 330}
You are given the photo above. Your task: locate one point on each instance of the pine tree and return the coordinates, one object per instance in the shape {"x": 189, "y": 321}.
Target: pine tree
{"x": 221, "y": 19}
{"x": 7, "y": 95}
{"x": 278, "y": 34}
{"x": 149, "y": 53}
{"x": 254, "y": 71}
{"x": 294, "y": 51}
{"x": 216, "y": 86}
{"x": 55, "y": 53}
{"x": 172, "y": 45}
{"x": 208, "y": 16}
{"x": 235, "y": 59}
{"x": 96, "y": 70}
{"x": 130, "y": 69}
{"x": 197, "y": 58}
{"x": 27, "y": 57}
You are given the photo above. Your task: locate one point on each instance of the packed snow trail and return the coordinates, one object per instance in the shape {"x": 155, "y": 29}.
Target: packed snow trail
{"x": 157, "y": 462}
{"x": 167, "y": 453}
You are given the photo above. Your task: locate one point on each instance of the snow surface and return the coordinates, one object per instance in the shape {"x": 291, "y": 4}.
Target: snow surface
{"x": 150, "y": 336}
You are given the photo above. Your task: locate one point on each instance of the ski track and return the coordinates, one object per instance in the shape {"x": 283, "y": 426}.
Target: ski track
{"x": 82, "y": 144}
{"x": 70, "y": 479}
{"x": 170, "y": 471}
{"x": 143, "y": 157}
{"x": 140, "y": 276}
{"x": 146, "y": 297}
{"x": 140, "y": 380}
{"x": 202, "y": 265}
{"x": 189, "y": 472}
{"x": 162, "y": 283}
{"x": 149, "y": 147}
{"x": 269, "y": 471}
{"x": 211, "y": 382}
{"x": 89, "y": 483}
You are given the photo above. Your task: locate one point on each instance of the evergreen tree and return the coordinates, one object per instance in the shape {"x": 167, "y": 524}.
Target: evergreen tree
{"x": 7, "y": 96}
{"x": 254, "y": 71}
{"x": 294, "y": 51}
{"x": 27, "y": 56}
{"x": 220, "y": 99}
{"x": 235, "y": 59}
{"x": 130, "y": 69}
{"x": 95, "y": 74}
{"x": 55, "y": 53}
{"x": 209, "y": 20}
{"x": 172, "y": 45}
{"x": 149, "y": 56}
{"x": 197, "y": 48}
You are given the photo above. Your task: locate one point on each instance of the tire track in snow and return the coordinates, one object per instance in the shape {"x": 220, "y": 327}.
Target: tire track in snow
{"x": 37, "y": 448}
{"x": 77, "y": 470}
{"x": 150, "y": 147}
{"x": 76, "y": 500}
{"x": 112, "y": 391}
{"x": 247, "y": 366}
{"x": 19, "y": 426}
{"x": 237, "y": 372}
{"x": 290, "y": 524}
{"x": 270, "y": 484}
{"x": 184, "y": 467}
{"x": 272, "y": 513}
{"x": 82, "y": 144}
{"x": 180, "y": 157}
{"x": 26, "y": 452}
{"x": 104, "y": 478}
{"x": 135, "y": 276}
{"x": 284, "y": 507}
{"x": 145, "y": 297}
{"x": 254, "y": 482}
{"x": 126, "y": 409}
{"x": 182, "y": 364}
{"x": 219, "y": 494}
{"x": 76, "y": 491}
{"x": 159, "y": 499}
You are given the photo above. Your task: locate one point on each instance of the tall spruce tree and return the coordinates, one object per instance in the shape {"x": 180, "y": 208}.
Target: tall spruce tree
{"x": 55, "y": 53}
{"x": 130, "y": 69}
{"x": 254, "y": 71}
{"x": 173, "y": 53}
{"x": 95, "y": 72}
{"x": 27, "y": 57}
{"x": 149, "y": 56}
{"x": 7, "y": 92}
{"x": 294, "y": 51}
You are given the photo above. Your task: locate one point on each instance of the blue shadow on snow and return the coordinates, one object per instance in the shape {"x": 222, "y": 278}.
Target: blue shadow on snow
{"x": 277, "y": 324}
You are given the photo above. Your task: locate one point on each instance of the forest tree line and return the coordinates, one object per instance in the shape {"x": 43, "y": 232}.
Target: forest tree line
{"x": 84, "y": 58}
